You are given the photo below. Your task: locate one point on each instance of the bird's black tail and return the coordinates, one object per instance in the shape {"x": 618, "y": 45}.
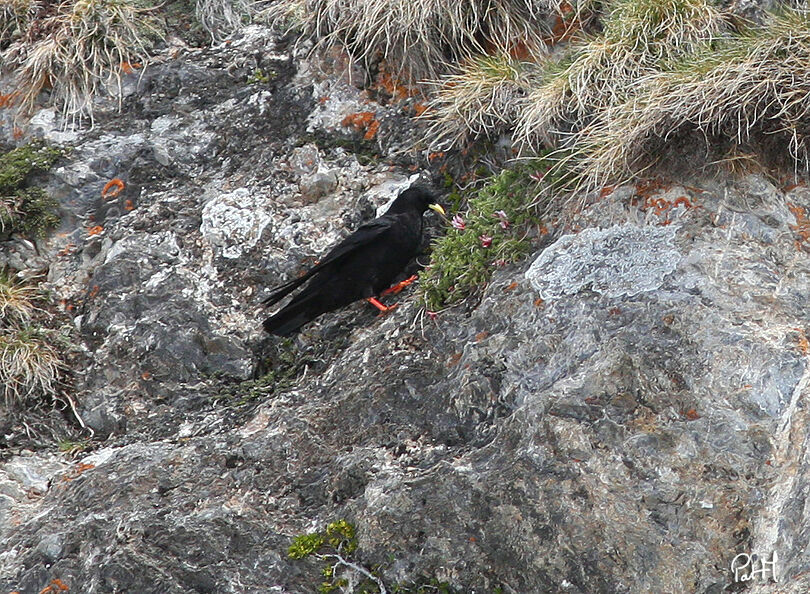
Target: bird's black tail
{"x": 285, "y": 289}
{"x": 290, "y": 318}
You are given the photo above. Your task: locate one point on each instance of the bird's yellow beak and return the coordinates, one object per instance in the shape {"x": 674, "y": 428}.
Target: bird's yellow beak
{"x": 438, "y": 208}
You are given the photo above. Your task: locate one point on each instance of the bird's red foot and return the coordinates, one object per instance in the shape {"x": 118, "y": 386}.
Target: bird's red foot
{"x": 383, "y": 308}
{"x": 395, "y": 290}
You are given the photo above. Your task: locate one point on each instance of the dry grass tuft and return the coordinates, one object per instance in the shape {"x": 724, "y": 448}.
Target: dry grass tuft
{"x": 420, "y": 36}
{"x": 220, "y": 18}
{"x": 14, "y": 18}
{"x": 16, "y": 302}
{"x": 599, "y": 72}
{"x": 29, "y": 366}
{"x": 757, "y": 82}
{"x": 77, "y": 51}
{"x": 482, "y": 100}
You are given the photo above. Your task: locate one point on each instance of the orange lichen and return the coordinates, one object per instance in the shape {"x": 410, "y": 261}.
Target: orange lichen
{"x": 129, "y": 67}
{"x": 112, "y": 188}
{"x": 128, "y": 205}
{"x": 360, "y": 121}
{"x": 691, "y": 414}
{"x": 76, "y": 473}
{"x": 802, "y": 226}
{"x": 56, "y": 585}
{"x": 95, "y": 230}
{"x": 372, "y": 130}
{"x": 539, "y": 302}
{"x": 682, "y": 200}
{"x": 511, "y": 286}
{"x": 434, "y": 156}
{"x": 17, "y": 133}
{"x": 8, "y": 99}
{"x": 391, "y": 85}
{"x": 804, "y": 344}
{"x": 607, "y": 190}
{"x": 93, "y": 292}
{"x": 419, "y": 108}
{"x": 481, "y": 336}
{"x": 67, "y": 250}
{"x": 454, "y": 359}
{"x": 791, "y": 187}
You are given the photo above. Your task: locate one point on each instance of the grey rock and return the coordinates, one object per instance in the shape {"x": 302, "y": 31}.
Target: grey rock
{"x": 318, "y": 184}
{"x": 620, "y": 261}
{"x": 633, "y": 432}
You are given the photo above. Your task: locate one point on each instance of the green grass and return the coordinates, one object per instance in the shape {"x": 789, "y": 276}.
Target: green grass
{"x": 460, "y": 261}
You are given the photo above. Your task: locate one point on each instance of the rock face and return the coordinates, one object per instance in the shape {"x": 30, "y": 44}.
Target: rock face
{"x": 625, "y": 412}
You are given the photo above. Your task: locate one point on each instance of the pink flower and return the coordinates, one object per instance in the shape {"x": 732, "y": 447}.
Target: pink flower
{"x": 500, "y": 263}
{"x": 486, "y": 240}
{"x": 458, "y": 223}
{"x": 499, "y": 214}
{"x": 431, "y": 314}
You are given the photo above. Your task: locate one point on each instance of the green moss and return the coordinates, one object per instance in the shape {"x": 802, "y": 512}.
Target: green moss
{"x": 504, "y": 211}
{"x": 260, "y": 77}
{"x": 304, "y": 545}
{"x": 24, "y": 208}
{"x": 283, "y": 366}
{"x": 340, "y": 538}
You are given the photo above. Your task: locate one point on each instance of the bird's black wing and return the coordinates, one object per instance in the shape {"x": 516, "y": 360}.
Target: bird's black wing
{"x": 364, "y": 235}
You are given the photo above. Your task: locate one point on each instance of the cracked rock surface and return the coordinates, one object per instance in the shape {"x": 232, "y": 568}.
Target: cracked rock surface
{"x": 625, "y": 411}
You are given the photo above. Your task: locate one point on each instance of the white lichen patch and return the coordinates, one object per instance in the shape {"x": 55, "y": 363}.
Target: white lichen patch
{"x": 234, "y": 222}
{"x": 621, "y": 260}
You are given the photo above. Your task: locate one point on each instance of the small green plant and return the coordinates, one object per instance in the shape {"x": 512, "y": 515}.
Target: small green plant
{"x": 492, "y": 232}
{"x": 24, "y": 208}
{"x": 260, "y": 77}
{"x": 335, "y": 545}
{"x": 283, "y": 366}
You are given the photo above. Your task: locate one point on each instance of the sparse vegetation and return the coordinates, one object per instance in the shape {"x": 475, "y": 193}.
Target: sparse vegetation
{"x": 283, "y": 366}
{"x": 221, "y": 17}
{"x": 755, "y": 83}
{"x": 29, "y": 365}
{"x": 599, "y": 71}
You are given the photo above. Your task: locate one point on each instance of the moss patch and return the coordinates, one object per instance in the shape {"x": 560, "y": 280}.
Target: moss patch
{"x": 25, "y": 208}
{"x": 336, "y": 546}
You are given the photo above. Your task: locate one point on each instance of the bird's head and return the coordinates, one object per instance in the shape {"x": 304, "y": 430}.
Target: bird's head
{"x": 415, "y": 199}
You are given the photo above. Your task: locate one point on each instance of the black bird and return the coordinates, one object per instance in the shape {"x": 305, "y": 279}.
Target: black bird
{"x": 359, "y": 267}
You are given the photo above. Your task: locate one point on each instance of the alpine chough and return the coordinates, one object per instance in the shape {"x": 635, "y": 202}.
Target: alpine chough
{"x": 359, "y": 267}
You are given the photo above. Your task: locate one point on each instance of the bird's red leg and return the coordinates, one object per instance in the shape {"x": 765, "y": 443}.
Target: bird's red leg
{"x": 383, "y": 308}
{"x": 399, "y": 286}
